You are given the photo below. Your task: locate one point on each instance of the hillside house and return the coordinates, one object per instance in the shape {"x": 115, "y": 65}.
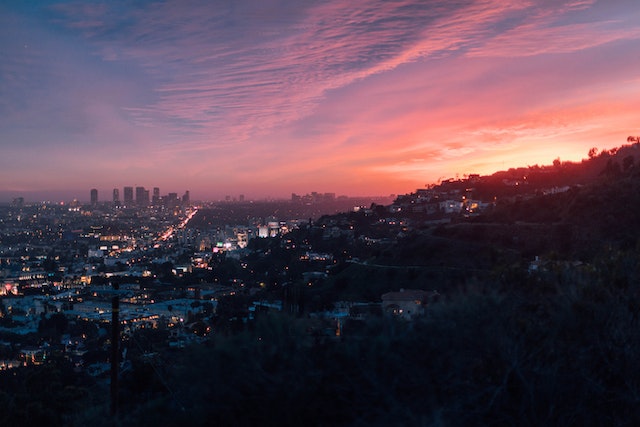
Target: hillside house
{"x": 407, "y": 303}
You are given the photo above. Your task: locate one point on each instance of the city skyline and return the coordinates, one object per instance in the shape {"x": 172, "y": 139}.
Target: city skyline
{"x": 271, "y": 98}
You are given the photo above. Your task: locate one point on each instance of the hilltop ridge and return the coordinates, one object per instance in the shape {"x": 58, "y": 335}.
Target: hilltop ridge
{"x": 615, "y": 162}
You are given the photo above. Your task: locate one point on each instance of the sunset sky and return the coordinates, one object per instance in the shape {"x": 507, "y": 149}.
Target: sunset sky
{"x": 269, "y": 97}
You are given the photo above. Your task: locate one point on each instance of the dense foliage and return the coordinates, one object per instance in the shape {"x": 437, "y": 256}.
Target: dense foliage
{"x": 556, "y": 350}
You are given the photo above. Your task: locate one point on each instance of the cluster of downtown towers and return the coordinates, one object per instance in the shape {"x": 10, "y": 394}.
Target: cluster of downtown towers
{"x": 142, "y": 197}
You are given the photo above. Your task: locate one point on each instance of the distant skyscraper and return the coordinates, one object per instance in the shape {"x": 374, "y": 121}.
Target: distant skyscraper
{"x": 128, "y": 196}
{"x": 241, "y": 198}
{"x": 155, "y": 200}
{"x": 116, "y": 196}
{"x": 142, "y": 196}
{"x": 172, "y": 200}
{"x": 186, "y": 198}
{"x": 94, "y": 197}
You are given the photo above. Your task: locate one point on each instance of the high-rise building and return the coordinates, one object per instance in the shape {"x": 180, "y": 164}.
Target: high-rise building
{"x": 142, "y": 196}
{"x": 155, "y": 200}
{"x": 128, "y": 196}
{"x": 139, "y": 195}
{"x": 116, "y": 197}
{"x": 94, "y": 197}
{"x": 186, "y": 198}
{"x": 172, "y": 200}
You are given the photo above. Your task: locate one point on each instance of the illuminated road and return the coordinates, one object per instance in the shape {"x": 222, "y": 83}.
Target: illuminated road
{"x": 169, "y": 232}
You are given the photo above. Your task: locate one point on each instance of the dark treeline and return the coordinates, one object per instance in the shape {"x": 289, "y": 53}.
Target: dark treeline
{"x": 535, "y": 350}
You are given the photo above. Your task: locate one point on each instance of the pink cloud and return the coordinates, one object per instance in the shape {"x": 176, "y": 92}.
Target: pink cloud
{"x": 530, "y": 39}
{"x": 243, "y": 86}
{"x": 367, "y": 97}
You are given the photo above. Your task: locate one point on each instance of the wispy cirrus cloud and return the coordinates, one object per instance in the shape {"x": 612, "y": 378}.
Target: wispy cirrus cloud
{"x": 530, "y": 40}
{"x": 231, "y": 73}
{"x": 564, "y": 27}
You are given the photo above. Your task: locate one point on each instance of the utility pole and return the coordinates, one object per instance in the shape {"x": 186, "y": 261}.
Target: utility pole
{"x": 115, "y": 349}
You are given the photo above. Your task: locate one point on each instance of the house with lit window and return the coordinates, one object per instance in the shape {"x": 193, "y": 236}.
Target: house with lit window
{"x": 407, "y": 303}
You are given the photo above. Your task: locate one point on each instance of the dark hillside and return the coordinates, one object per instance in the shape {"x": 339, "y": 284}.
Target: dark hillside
{"x": 596, "y": 215}
{"x": 612, "y": 163}
{"x": 604, "y": 213}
